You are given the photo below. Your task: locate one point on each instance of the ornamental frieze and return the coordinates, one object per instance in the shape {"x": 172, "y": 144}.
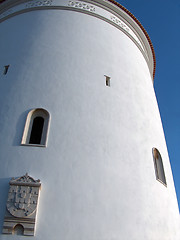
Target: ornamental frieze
{"x": 81, "y": 6}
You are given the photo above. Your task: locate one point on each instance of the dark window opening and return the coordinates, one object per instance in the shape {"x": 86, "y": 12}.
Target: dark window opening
{"x": 6, "y": 69}
{"x": 37, "y": 129}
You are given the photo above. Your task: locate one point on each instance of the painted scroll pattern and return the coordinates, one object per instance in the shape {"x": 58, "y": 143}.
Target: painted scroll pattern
{"x": 119, "y": 23}
{"x": 39, "y": 3}
{"x": 82, "y": 5}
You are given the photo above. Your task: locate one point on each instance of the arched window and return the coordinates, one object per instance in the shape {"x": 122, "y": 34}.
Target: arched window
{"x": 159, "y": 168}
{"x": 36, "y": 128}
{"x": 18, "y": 230}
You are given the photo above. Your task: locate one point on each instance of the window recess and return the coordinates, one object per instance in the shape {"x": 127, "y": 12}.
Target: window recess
{"x": 36, "y": 128}
{"x": 159, "y": 168}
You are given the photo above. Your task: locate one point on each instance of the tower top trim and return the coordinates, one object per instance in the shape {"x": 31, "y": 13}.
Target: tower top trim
{"x": 118, "y": 16}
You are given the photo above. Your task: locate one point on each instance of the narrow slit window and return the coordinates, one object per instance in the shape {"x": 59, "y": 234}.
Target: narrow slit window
{"x": 36, "y": 128}
{"x": 159, "y": 168}
{"x": 6, "y": 69}
{"x": 107, "y": 80}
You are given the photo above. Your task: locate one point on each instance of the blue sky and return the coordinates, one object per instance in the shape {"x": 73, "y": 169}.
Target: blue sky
{"x": 161, "y": 19}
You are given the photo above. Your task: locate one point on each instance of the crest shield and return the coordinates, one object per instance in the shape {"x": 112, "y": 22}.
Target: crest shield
{"x": 22, "y": 201}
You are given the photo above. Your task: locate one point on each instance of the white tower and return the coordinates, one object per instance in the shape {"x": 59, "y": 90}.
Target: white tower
{"x": 78, "y": 111}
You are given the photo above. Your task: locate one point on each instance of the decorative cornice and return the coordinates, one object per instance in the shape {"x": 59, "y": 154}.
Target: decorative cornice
{"x": 112, "y": 20}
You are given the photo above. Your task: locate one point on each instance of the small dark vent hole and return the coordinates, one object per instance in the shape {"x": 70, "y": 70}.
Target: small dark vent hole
{"x": 107, "y": 80}
{"x": 6, "y": 69}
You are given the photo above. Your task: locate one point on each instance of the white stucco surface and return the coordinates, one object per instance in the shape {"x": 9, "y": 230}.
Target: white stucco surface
{"x": 97, "y": 171}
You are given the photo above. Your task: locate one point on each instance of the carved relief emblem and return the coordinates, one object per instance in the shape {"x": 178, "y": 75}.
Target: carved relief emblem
{"x": 22, "y": 203}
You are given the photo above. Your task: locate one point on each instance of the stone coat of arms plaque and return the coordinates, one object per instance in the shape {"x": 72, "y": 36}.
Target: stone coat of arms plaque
{"x": 21, "y": 206}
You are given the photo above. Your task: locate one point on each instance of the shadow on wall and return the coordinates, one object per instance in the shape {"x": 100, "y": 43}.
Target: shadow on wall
{"x": 4, "y": 189}
{"x": 20, "y": 128}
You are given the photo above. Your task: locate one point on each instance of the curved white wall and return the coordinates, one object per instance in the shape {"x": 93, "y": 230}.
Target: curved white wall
{"x": 97, "y": 171}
